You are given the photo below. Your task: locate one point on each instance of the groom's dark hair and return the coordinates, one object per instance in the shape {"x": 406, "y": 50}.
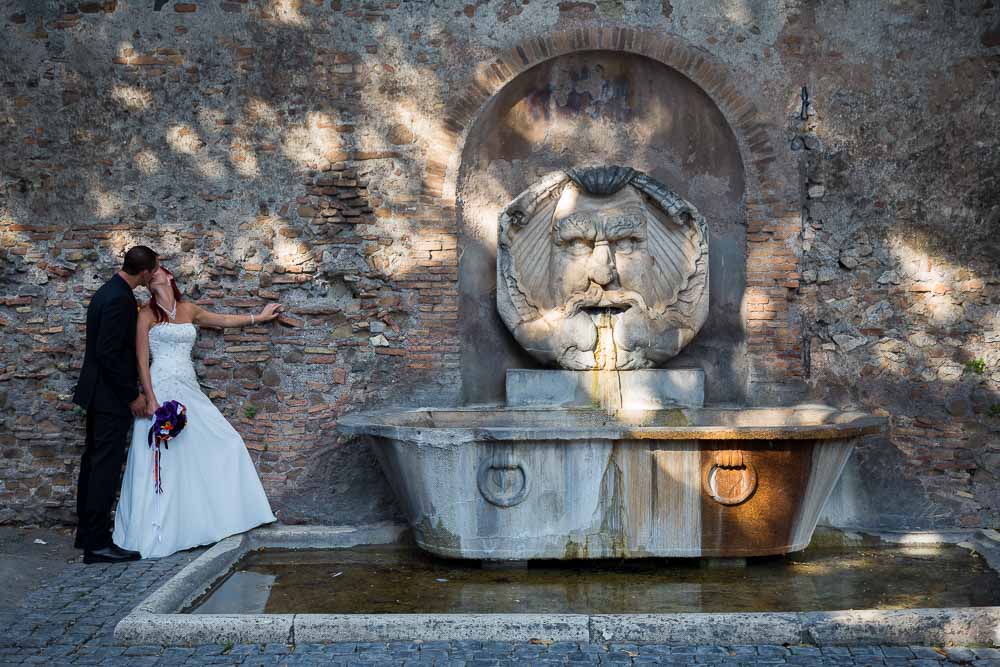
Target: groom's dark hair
{"x": 139, "y": 259}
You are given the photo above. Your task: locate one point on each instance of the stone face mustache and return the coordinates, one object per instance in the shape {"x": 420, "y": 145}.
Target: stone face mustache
{"x": 598, "y": 297}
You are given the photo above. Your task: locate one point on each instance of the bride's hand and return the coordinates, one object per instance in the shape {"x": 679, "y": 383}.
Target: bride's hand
{"x": 151, "y": 405}
{"x": 270, "y": 312}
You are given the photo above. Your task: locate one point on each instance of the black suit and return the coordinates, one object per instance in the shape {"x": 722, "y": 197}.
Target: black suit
{"x": 108, "y": 383}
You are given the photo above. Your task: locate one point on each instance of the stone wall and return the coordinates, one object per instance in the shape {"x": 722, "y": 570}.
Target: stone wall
{"x": 311, "y": 151}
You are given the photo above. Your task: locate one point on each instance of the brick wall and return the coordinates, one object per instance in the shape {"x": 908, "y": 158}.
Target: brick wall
{"x": 307, "y": 151}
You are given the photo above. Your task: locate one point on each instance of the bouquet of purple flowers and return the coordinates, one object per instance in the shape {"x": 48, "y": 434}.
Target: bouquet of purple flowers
{"x": 168, "y": 421}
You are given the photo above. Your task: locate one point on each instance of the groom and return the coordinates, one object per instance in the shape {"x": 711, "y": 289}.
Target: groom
{"x": 108, "y": 391}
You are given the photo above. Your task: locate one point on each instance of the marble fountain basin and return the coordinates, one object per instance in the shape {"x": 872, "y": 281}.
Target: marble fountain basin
{"x": 513, "y": 483}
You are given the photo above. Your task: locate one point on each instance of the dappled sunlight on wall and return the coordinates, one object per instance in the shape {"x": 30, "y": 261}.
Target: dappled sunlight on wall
{"x": 120, "y": 241}
{"x": 918, "y": 263}
{"x": 244, "y": 160}
{"x": 737, "y": 11}
{"x": 131, "y": 97}
{"x": 183, "y": 139}
{"x": 285, "y": 12}
{"x": 146, "y": 161}
{"x": 315, "y": 142}
{"x": 257, "y": 111}
{"x": 103, "y": 203}
{"x": 288, "y": 253}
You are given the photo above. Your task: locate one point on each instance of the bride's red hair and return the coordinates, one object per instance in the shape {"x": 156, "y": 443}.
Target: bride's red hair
{"x": 158, "y": 312}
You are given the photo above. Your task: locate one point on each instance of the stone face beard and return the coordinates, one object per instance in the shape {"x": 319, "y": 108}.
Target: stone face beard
{"x": 596, "y": 264}
{"x": 602, "y": 281}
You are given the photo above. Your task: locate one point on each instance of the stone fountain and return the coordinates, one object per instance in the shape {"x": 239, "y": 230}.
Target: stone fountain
{"x": 603, "y": 273}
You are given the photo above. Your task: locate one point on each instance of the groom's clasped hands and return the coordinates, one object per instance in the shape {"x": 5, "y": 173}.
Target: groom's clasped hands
{"x": 138, "y": 406}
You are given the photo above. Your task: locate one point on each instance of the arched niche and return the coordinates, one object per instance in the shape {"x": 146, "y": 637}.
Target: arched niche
{"x": 600, "y": 107}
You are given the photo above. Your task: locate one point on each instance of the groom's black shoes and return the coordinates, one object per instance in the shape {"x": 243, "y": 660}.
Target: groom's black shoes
{"x": 109, "y": 554}
{"x": 134, "y": 555}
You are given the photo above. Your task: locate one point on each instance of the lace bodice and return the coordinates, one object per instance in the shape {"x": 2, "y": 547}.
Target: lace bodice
{"x": 171, "y": 345}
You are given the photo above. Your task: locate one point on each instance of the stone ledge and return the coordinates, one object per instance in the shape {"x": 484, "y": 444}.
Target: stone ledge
{"x": 974, "y": 626}
{"x": 194, "y": 629}
{"x": 644, "y": 389}
{"x": 320, "y": 628}
{"x": 947, "y": 626}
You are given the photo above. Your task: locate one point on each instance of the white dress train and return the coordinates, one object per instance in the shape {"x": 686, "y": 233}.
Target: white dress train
{"x": 210, "y": 486}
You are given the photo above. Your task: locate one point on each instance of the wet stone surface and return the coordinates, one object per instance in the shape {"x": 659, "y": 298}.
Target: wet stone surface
{"x": 71, "y": 618}
{"x": 386, "y": 580}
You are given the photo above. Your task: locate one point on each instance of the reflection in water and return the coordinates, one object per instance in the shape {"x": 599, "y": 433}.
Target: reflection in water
{"x": 389, "y": 579}
{"x": 246, "y": 591}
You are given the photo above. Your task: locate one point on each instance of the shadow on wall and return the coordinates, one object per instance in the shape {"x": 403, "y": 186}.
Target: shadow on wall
{"x": 134, "y": 126}
{"x": 906, "y": 278}
{"x": 340, "y": 486}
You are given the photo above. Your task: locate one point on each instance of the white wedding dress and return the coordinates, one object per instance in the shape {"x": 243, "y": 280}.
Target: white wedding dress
{"x": 210, "y": 486}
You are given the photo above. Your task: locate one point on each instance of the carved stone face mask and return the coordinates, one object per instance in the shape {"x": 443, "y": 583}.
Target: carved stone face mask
{"x": 602, "y": 269}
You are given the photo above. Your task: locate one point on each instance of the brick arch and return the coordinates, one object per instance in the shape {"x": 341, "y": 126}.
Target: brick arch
{"x": 772, "y": 189}
{"x": 756, "y": 148}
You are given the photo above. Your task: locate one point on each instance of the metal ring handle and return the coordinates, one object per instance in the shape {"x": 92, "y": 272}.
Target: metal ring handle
{"x": 487, "y": 490}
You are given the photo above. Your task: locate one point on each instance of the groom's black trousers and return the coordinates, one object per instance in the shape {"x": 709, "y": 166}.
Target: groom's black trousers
{"x": 108, "y": 436}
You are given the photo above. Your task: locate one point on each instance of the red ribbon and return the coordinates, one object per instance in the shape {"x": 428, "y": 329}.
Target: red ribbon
{"x": 157, "y": 480}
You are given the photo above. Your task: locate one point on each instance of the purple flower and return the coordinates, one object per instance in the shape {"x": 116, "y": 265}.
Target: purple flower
{"x": 168, "y": 421}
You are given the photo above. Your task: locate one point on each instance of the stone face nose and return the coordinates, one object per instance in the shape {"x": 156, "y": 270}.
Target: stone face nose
{"x": 602, "y": 264}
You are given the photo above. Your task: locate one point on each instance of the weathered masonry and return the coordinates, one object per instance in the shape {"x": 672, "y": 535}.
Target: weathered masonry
{"x": 350, "y": 158}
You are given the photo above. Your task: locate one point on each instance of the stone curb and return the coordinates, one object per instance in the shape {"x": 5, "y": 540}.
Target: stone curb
{"x": 195, "y": 629}
{"x": 324, "y": 537}
{"x": 736, "y": 628}
{"x": 195, "y": 578}
{"x": 318, "y": 628}
{"x": 977, "y": 627}
{"x": 972, "y": 626}
{"x": 156, "y": 621}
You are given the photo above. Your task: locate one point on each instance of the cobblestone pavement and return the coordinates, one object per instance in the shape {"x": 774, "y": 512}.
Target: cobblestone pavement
{"x": 70, "y": 621}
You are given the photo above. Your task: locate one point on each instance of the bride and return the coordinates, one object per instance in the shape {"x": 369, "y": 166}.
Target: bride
{"x": 210, "y": 488}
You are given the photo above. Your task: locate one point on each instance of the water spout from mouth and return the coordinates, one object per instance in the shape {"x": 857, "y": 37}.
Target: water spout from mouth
{"x": 605, "y": 308}
{"x": 607, "y": 377}
{"x": 596, "y": 311}
{"x": 605, "y": 352}
{"x": 596, "y": 300}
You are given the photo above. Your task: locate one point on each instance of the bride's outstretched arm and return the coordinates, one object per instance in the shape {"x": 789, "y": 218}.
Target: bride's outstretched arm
{"x": 142, "y": 326}
{"x": 206, "y": 318}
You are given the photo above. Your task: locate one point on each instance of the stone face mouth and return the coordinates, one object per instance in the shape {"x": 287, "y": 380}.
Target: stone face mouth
{"x": 610, "y": 309}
